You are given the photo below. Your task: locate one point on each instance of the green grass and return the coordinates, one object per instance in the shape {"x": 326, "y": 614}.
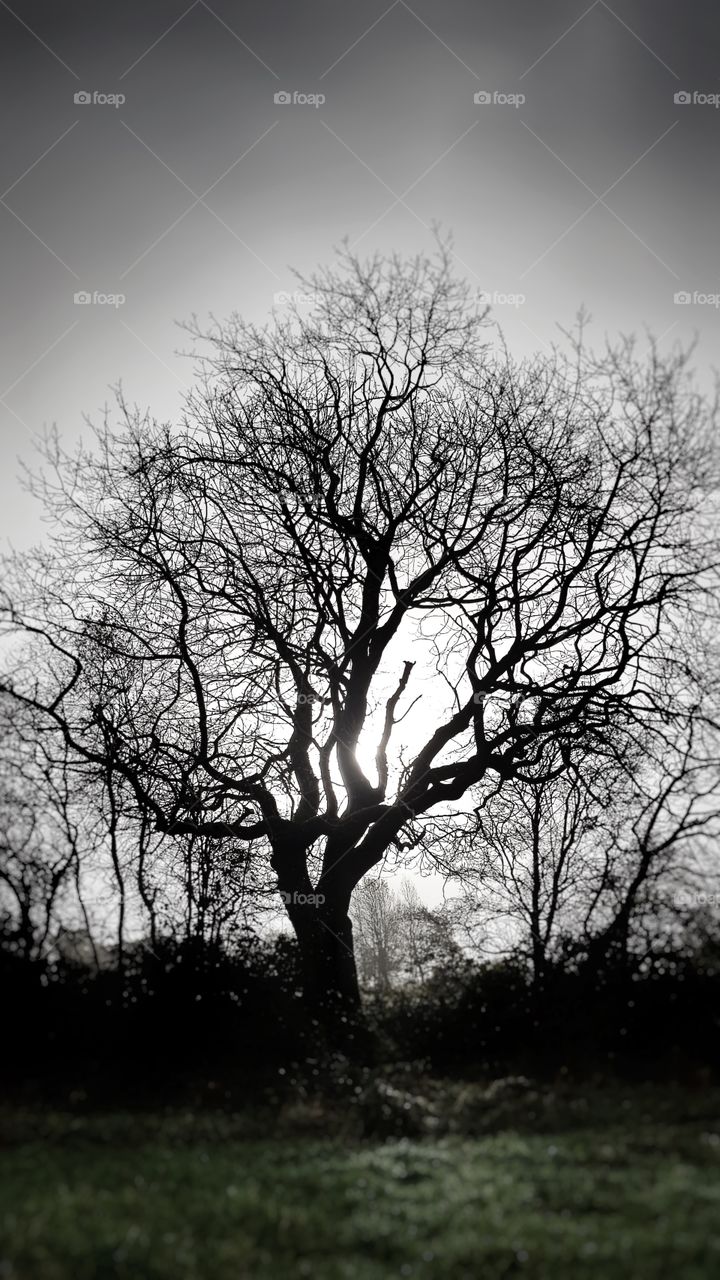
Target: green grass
{"x": 623, "y": 1187}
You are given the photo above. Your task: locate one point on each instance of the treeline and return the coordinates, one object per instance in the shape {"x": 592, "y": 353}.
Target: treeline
{"x": 134, "y": 964}
{"x": 191, "y": 1019}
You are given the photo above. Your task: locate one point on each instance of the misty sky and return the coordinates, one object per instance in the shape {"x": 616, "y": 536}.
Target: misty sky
{"x": 199, "y": 192}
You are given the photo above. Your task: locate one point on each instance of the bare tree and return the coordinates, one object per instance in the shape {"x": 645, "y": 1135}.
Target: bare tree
{"x": 535, "y": 835}
{"x": 38, "y": 846}
{"x": 590, "y": 858}
{"x": 228, "y": 604}
{"x": 80, "y": 872}
{"x": 657, "y": 841}
{"x": 374, "y": 916}
{"x": 426, "y": 934}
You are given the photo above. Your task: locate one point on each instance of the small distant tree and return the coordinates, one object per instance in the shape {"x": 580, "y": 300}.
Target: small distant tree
{"x": 375, "y": 921}
{"x": 426, "y": 933}
{"x": 398, "y": 939}
{"x": 361, "y": 505}
{"x": 38, "y": 838}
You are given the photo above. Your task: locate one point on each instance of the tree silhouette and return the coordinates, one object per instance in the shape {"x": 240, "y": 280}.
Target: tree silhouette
{"x": 590, "y": 857}
{"x": 362, "y": 506}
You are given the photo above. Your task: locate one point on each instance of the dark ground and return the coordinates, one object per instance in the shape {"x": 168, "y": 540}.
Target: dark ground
{"x": 444, "y": 1179}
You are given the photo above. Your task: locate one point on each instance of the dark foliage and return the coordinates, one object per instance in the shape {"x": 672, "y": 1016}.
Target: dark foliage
{"x": 189, "y": 1021}
{"x": 662, "y": 1020}
{"x": 178, "y": 1013}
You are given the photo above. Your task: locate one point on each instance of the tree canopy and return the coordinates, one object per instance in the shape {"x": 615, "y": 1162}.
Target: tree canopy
{"x": 365, "y": 506}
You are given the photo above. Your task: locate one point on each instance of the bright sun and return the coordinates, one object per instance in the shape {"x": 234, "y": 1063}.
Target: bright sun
{"x": 365, "y": 756}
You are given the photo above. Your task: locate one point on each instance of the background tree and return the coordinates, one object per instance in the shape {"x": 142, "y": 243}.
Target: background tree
{"x": 427, "y": 934}
{"x": 39, "y": 837}
{"x": 594, "y": 860}
{"x": 377, "y": 942}
{"x": 364, "y": 506}
{"x": 82, "y": 875}
{"x": 398, "y": 939}
{"x": 655, "y": 846}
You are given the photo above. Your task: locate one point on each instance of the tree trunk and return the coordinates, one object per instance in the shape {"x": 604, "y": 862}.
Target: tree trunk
{"x": 538, "y": 963}
{"x": 325, "y": 937}
{"x": 320, "y": 919}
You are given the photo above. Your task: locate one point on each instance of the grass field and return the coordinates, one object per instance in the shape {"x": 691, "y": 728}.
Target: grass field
{"x": 623, "y": 1186}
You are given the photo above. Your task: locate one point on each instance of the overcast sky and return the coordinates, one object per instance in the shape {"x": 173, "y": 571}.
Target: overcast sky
{"x": 200, "y": 191}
